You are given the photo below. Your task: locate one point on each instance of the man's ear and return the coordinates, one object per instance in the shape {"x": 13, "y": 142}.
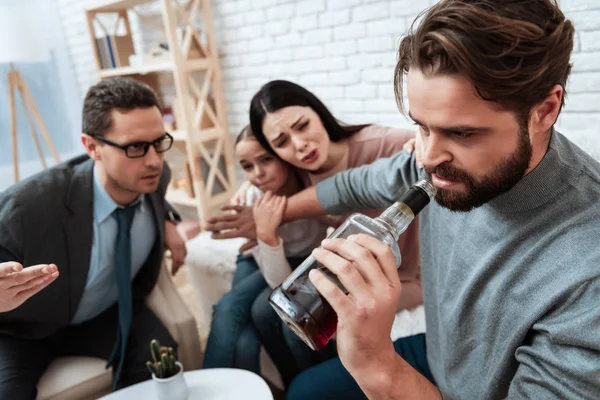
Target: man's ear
{"x": 544, "y": 114}
{"x": 92, "y": 146}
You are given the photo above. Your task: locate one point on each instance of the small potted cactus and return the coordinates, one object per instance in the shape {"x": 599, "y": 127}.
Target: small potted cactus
{"x": 167, "y": 373}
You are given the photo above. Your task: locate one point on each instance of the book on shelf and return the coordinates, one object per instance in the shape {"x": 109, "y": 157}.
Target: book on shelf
{"x": 114, "y": 50}
{"x": 103, "y": 53}
{"x": 122, "y": 46}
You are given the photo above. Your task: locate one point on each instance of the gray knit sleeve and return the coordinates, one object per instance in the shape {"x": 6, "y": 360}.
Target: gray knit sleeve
{"x": 375, "y": 185}
{"x": 561, "y": 359}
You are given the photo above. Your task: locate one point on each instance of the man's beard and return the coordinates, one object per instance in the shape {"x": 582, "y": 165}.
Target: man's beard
{"x": 503, "y": 178}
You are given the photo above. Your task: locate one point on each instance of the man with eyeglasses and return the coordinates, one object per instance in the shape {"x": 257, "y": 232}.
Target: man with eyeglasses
{"x": 102, "y": 219}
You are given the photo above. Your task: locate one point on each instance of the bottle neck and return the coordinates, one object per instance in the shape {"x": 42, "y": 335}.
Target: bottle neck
{"x": 400, "y": 214}
{"x": 396, "y": 218}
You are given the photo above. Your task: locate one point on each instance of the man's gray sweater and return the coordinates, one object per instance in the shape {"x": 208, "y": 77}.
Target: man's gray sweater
{"x": 512, "y": 288}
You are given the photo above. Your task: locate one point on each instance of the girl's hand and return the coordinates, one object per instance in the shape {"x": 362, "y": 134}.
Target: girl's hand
{"x": 268, "y": 213}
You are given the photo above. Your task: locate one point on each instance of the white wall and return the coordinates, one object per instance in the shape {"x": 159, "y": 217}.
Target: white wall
{"x": 344, "y": 51}
{"x": 581, "y": 117}
{"x": 55, "y": 95}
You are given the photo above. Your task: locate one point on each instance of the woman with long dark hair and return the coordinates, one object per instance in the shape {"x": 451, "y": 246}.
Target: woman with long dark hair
{"x": 294, "y": 125}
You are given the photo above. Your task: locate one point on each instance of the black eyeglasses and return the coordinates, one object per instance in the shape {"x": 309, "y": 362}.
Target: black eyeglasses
{"x": 140, "y": 149}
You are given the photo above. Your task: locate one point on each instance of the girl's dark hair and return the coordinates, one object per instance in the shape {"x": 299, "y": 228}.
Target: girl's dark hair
{"x": 513, "y": 51}
{"x": 278, "y": 94}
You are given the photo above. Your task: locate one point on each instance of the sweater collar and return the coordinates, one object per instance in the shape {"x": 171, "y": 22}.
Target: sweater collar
{"x": 540, "y": 185}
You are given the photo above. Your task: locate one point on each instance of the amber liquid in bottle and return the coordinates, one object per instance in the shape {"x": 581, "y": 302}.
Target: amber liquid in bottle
{"x": 298, "y": 302}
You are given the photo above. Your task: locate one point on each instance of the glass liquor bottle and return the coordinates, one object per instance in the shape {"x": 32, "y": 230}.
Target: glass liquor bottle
{"x": 299, "y": 303}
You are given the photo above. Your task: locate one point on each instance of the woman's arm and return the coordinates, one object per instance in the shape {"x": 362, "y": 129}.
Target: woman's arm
{"x": 371, "y": 186}
{"x": 375, "y": 185}
{"x": 304, "y": 204}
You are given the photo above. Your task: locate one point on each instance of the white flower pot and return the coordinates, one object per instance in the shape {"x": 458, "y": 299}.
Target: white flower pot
{"x": 173, "y": 388}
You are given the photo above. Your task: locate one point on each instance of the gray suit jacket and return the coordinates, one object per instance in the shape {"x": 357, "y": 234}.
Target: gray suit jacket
{"x": 48, "y": 218}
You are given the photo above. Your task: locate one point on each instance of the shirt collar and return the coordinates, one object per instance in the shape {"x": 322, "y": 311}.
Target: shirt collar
{"x": 104, "y": 205}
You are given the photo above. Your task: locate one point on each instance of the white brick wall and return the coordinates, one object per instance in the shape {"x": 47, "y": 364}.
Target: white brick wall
{"x": 581, "y": 116}
{"x": 78, "y": 42}
{"x": 344, "y": 51}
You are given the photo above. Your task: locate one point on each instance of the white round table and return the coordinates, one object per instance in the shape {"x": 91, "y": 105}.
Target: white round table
{"x": 206, "y": 384}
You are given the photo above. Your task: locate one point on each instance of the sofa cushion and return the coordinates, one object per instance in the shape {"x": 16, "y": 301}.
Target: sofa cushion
{"x": 75, "y": 378}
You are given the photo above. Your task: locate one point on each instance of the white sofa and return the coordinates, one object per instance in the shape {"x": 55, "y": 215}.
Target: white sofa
{"x": 77, "y": 378}
{"x": 211, "y": 265}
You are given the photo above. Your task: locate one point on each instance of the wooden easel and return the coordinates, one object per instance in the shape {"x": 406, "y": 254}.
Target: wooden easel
{"x": 16, "y": 82}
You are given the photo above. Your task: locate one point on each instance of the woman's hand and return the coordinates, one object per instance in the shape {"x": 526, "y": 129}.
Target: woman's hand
{"x": 268, "y": 213}
{"x": 238, "y": 224}
{"x": 415, "y": 145}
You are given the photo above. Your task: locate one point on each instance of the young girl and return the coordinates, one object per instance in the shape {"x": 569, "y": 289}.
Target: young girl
{"x": 296, "y": 126}
{"x": 233, "y": 341}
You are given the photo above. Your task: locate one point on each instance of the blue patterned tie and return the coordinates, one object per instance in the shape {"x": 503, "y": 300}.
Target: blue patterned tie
{"x": 124, "y": 218}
